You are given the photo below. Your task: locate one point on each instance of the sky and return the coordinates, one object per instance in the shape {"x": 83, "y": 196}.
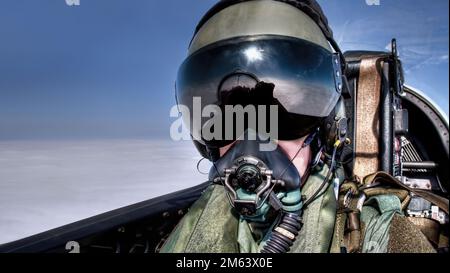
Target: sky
{"x": 97, "y": 81}
{"x": 421, "y": 30}
{"x": 106, "y": 68}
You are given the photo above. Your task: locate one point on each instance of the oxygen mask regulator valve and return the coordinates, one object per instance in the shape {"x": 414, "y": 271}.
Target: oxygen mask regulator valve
{"x": 247, "y": 185}
{"x": 252, "y": 191}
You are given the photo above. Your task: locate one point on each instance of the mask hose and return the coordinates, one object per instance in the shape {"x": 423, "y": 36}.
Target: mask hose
{"x": 286, "y": 232}
{"x": 284, "y": 235}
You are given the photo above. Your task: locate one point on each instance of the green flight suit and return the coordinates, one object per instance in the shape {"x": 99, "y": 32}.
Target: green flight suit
{"x": 211, "y": 226}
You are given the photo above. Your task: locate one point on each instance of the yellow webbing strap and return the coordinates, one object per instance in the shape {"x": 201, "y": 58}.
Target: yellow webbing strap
{"x": 367, "y": 118}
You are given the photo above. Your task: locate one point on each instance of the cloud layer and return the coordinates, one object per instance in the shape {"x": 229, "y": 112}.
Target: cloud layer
{"x": 45, "y": 185}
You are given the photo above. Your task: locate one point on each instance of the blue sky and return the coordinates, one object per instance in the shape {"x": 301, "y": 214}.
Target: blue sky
{"x": 106, "y": 68}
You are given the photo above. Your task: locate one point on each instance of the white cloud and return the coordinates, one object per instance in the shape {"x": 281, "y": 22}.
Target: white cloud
{"x": 45, "y": 185}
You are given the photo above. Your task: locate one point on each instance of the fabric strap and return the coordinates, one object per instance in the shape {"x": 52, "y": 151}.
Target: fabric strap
{"x": 367, "y": 118}
{"x": 386, "y": 179}
{"x": 377, "y": 215}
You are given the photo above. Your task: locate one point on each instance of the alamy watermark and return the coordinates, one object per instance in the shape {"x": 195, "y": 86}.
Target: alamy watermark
{"x": 213, "y": 123}
{"x": 73, "y": 2}
{"x": 373, "y": 2}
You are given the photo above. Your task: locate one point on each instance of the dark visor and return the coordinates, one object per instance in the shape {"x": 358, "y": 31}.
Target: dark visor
{"x": 305, "y": 80}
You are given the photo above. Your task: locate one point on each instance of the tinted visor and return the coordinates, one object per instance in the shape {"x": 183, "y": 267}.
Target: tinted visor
{"x": 304, "y": 78}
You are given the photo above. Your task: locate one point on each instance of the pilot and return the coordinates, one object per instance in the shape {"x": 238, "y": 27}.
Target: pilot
{"x": 281, "y": 185}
